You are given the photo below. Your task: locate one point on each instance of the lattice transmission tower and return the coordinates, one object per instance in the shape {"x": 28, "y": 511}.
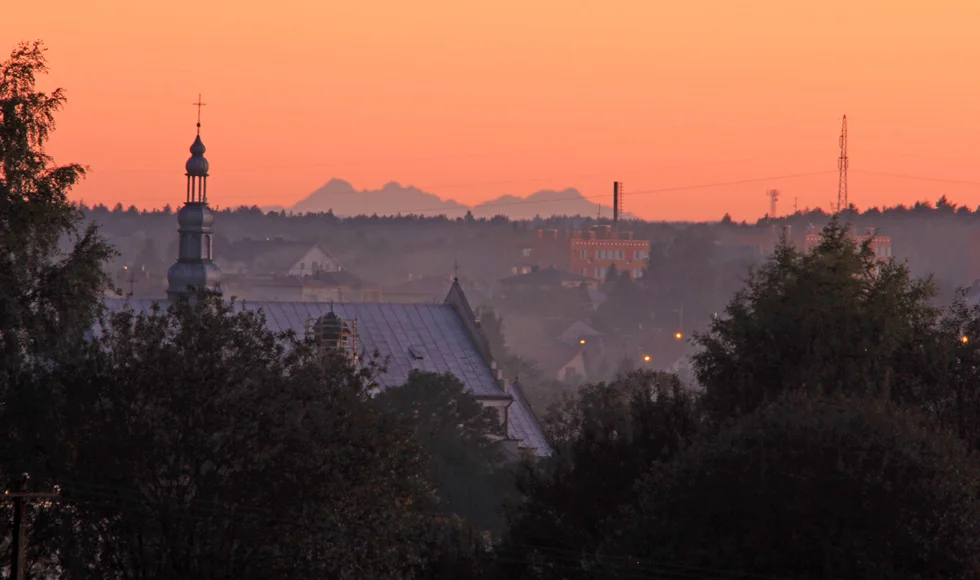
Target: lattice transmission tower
{"x": 842, "y": 202}
{"x": 773, "y": 198}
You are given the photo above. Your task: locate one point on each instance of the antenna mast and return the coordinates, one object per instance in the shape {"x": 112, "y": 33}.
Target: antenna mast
{"x": 842, "y": 203}
{"x": 773, "y": 196}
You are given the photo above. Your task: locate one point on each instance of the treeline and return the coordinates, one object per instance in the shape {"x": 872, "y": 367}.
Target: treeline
{"x": 934, "y": 239}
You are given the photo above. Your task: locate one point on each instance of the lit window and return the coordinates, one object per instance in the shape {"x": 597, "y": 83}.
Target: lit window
{"x": 526, "y": 252}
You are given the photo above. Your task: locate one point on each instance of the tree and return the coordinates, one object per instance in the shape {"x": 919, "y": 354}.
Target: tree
{"x": 461, "y": 439}
{"x": 194, "y": 442}
{"x": 834, "y": 319}
{"x": 612, "y": 276}
{"x": 52, "y": 270}
{"x": 805, "y": 488}
{"x": 603, "y": 439}
{"x": 48, "y": 295}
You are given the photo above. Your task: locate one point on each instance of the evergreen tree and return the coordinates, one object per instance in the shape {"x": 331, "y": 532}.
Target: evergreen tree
{"x": 832, "y": 320}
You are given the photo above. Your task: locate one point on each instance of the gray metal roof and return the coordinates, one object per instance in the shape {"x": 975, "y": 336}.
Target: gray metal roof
{"x": 400, "y": 332}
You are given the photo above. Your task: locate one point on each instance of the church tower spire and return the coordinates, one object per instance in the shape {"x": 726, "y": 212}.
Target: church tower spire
{"x": 194, "y": 269}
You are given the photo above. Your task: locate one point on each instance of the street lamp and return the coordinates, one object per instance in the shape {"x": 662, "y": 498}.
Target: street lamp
{"x": 680, "y": 322}
{"x": 646, "y": 358}
{"x": 964, "y": 339}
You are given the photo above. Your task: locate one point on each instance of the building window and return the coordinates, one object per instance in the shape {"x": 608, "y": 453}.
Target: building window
{"x": 637, "y": 273}
{"x": 207, "y": 246}
{"x": 513, "y": 270}
{"x": 583, "y": 253}
{"x": 526, "y": 252}
{"x": 585, "y": 272}
{"x": 600, "y": 272}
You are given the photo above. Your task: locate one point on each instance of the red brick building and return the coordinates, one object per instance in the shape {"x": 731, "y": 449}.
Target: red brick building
{"x": 587, "y": 253}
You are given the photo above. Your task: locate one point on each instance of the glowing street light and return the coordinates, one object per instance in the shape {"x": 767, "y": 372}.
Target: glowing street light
{"x": 646, "y": 358}
{"x": 678, "y": 335}
{"x": 964, "y": 339}
{"x": 581, "y": 341}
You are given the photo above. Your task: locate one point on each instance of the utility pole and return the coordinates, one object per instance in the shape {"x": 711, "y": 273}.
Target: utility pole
{"x": 18, "y": 562}
{"x": 131, "y": 278}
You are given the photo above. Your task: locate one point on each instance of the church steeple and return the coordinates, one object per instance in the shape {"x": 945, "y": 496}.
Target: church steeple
{"x": 194, "y": 269}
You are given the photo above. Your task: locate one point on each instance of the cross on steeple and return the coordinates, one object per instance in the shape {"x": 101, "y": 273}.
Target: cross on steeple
{"x": 198, "y": 104}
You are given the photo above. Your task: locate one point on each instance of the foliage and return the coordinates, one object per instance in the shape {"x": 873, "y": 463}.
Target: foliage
{"x": 835, "y": 319}
{"x": 52, "y": 269}
{"x": 620, "y": 312}
{"x": 603, "y": 439}
{"x": 194, "y": 442}
{"x": 461, "y": 438}
{"x": 807, "y": 488}
{"x": 954, "y": 365}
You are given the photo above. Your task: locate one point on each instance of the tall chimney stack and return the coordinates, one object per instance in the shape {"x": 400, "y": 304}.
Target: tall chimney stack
{"x": 615, "y": 202}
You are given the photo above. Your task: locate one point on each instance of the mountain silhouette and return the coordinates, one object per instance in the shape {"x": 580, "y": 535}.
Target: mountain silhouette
{"x": 341, "y": 197}
{"x": 544, "y": 203}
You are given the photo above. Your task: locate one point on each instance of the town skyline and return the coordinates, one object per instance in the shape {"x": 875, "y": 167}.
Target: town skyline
{"x": 704, "y": 110}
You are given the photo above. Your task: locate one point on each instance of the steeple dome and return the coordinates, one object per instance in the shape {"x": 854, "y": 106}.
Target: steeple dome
{"x": 197, "y": 165}
{"x": 194, "y": 269}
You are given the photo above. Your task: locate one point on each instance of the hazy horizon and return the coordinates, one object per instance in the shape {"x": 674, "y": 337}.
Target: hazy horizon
{"x": 471, "y": 104}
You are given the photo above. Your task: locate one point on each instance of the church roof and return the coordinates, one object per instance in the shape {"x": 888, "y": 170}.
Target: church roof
{"x": 402, "y": 333}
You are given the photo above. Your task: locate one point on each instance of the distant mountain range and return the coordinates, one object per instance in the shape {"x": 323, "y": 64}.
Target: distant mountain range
{"x": 392, "y": 199}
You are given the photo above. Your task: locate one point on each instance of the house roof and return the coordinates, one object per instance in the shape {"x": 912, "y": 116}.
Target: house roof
{"x": 270, "y": 255}
{"x": 592, "y": 296}
{"x": 320, "y": 279}
{"x": 401, "y": 333}
{"x": 545, "y": 276}
{"x": 576, "y": 331}
{"x": 552, "y": 357}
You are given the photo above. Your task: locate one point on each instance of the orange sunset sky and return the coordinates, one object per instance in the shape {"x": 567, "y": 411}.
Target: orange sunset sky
{"x": 472, "y": 100}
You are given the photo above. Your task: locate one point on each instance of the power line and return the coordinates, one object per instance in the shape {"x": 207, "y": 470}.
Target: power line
{"x": 917, "y": 177}
{"x": 641, "y": 192}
